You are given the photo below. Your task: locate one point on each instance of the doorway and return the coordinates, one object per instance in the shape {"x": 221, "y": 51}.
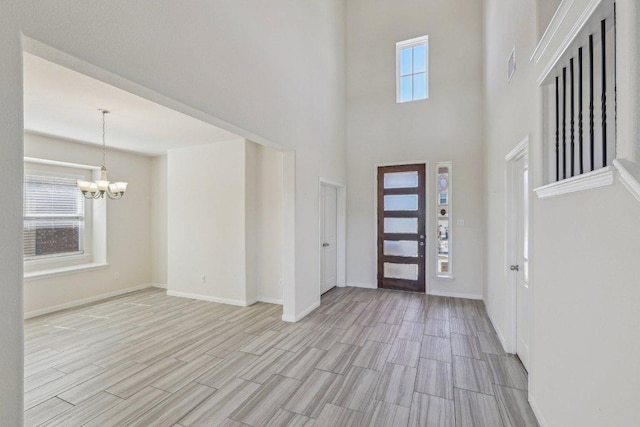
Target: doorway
{"x": 401, "y": 235}
{"x": 106, "y": 86}
{"x": 518, "y": 248}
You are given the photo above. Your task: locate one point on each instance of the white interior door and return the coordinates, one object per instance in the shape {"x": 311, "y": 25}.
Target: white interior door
{"x": 521, "y": 270}
{"x": 329, "y": 222}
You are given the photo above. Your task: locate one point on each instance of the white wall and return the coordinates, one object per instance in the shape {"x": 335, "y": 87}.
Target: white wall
{"x": 264, "y": 222}
{"x": 586, "y": 298}
{"x": 225, "y": 220}
{"x": 251, "y": 194}
{"x": 159, "y": 220}
{"x": 128, "y": 227}
{"x": 584, "y": 252}
{"x": 446, "y": 127}
{"x": 628, "y": 52}
{"x": 11, "y": 175}
{"x": 206, "y": 221}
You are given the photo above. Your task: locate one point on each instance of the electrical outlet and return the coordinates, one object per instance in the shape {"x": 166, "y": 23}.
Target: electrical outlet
{"x": 460, "y": 222}
{"x": 116, "y": 276}
{"x": 203, "y": 279}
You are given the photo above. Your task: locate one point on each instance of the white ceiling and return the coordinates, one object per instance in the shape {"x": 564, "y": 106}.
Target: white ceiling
{"x": 64, "y": 103}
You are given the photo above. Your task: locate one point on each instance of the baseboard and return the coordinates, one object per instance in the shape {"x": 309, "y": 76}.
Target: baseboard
{"x": 499, "y": 333}
{"x": 76, "y": 303}
{"x": 536, "y": 411}
{"x": 159, "y": 285}
{"x": 241, "y": 303}
{"x": 362, "y": 285}
{"x": 454, "y": 295}
{"x": 302, "y": 314}
{"x": 268, "y": 300}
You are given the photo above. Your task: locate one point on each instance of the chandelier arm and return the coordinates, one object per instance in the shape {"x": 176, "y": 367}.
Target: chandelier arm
{"x": 114, "y": 196}
{"x": 91, "y": 196}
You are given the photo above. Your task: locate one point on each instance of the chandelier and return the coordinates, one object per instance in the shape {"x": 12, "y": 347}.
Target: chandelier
{"x": 97, "y": 189}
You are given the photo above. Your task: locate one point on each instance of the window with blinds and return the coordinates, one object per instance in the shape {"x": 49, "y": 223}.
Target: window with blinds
{"x": 54, "y": 217}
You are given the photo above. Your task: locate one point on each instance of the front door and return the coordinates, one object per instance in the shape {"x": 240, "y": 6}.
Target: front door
{"x": 401, "y": 227}
{"x": 329, "y": 223}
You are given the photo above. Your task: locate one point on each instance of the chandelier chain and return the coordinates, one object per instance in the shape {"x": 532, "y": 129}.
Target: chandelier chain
{"x": 104, "y": 144}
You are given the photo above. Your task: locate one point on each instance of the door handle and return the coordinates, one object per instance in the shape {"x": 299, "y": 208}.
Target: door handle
{"x": 515, "y": 268}
{"x": 325, "y": 244}
{"x": 422, "y": 236}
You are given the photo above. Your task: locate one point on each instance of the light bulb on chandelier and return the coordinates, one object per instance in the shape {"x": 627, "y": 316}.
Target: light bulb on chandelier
{"x": 97, "y": 189}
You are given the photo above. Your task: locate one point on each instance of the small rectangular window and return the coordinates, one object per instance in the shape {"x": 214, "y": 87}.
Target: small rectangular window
{"x": 412, "y": 64}
{"x": 443, "y": 215}
{"x": 54, "y": 216}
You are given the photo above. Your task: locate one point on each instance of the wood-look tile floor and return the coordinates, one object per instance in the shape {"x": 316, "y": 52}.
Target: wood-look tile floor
{"x": 363, "y": 358}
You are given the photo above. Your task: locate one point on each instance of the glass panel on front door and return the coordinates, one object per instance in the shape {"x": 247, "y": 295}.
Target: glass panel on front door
{"x": 401, "y": 271}
{"x": 401, "y": 180}
{"x": 401, "y": 203}
{"x": 404, "y": 248}
{"x": 401, "y": 225}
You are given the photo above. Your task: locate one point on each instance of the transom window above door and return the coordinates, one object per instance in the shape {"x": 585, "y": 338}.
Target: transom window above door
{"x": 412, "y": 70}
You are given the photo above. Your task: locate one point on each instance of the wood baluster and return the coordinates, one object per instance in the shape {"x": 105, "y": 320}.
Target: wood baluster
{"x": 604, "y": 91}
{"x": 564, "y": 123}
{"x": 580, "y": 108}
{"x": 572, "y": 121}
{"x": 591, "y": 106}
{"x": 557, "y": 128}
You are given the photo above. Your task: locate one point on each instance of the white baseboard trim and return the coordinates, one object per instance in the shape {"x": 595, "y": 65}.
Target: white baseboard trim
{"x": 362, "y": 285}
{"x": 454, "y": 295}
{"x": 499, "y": 333}
{"x": 302, "y": 314}
{"x": 241, "y": 303}
{"x": 268, "y": 300}
{"x": 76, "y": 303}
{"x": 536, "y": 411}
{"x": 160, "y": 285}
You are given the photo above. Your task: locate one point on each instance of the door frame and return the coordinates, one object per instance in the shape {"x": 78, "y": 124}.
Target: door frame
{"x": 511, "y": 251}
{"x": 427, "y": 219}
{"x": 341, "y": 232}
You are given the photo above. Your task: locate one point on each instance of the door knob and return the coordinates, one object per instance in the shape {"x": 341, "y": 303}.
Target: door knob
{"x": 422, "y": 236}
{"x": 515, "y": 268}
{"x": 325, "y": 244}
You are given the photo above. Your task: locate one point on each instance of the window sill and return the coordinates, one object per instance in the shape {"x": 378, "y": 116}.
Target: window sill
{"x": 64, "y": 271}
{"x": 590, "y": 180}
{"x": 445, "y": 278}
{"x": 78, "y": 259}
